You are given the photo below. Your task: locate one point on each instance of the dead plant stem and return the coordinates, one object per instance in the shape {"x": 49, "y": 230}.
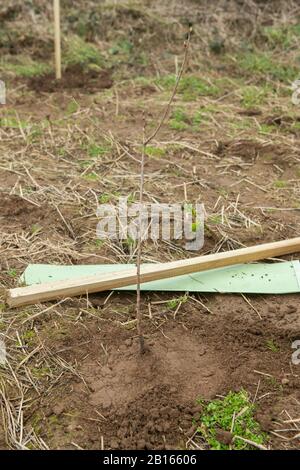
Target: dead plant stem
{"x": 146, "y": 141}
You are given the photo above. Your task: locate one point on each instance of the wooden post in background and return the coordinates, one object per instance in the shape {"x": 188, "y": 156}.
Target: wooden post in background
{"x": 56, "y": 8}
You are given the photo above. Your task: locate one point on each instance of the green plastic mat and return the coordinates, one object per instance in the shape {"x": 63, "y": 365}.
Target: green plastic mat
{"x": 257, "y": 278}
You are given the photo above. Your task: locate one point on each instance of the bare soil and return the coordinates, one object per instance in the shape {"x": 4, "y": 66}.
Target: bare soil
{"x": 73, "y": 77}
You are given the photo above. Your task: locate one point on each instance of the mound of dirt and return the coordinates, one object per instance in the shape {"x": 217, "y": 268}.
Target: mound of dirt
{"x": 147, "y": 401}
{"x": 153, "y": 396}
{"x": 74, "y": 77}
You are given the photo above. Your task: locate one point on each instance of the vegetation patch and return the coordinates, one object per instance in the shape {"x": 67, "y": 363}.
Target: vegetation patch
{"x": 152, "y": 151}
{"x": 23, "y": 66}
{"x": 230, "y": 419}
{"x": 263, "y": 64}
{"x": 282, "y": 36}
{"x": 254, "y": 96}
{"x": 83, "y": 53}
{"x": 190, "y": 87}
{"x": 179, "y": 120}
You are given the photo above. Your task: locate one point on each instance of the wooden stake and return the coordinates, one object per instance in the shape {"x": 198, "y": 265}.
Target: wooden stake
{"x": 56, "y": 9}
{"x": 81, "y": 286}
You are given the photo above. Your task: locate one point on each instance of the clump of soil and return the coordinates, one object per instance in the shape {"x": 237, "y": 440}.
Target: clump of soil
{"x": 252, "y": 152}
{"x": 73, "y": 77}
{"x": 18, "y": 212}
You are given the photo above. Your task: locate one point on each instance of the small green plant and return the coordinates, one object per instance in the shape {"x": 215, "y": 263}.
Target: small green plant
{"x": 35, "y": 133}
{"x": 96, "y": 150}
{"x": 280, "y": 184}
{"x": 253, "y": 96}
{"x": 129, "y": 242}
{"x": 35, "y": 228}
{"x": 124, "y": 47}
{"x": 198, "y": 119}
{"x": 155, "y": 151}
{"x": 53, "y": 420}
{"x": 234, "y": 414}
{"x": 28, "y": 336}
{"x": 107, "y": 197}
{"x": 179, "y": 120}
{"x": 131, "y": 198}
{"x": 104, "y": 198}
{"x": 267, "y": 129}
{"x": 99, "y": 243}
{"x": 91, "y": 176}
{"x": 41, "y": 372}
{"x": 173, "y": 303}
{"x": 12, "y": 272}
{"x": 270, "y": 343}
{"x": 72, "y": 107}
{"x": 295, "y": 126}
{"x": 223, "y": 192}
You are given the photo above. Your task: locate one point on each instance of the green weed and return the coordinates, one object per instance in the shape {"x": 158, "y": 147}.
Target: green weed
{"x": 236, "y": 410}
{"x": 173, "y": 303}
{"x": 179, "y": 120}
{"x": 41, "y": 372}
{"x": 280, "y": 184}
{"x": 82, "y": 53}
{"x": 124, "y": 47}
{"x": 263, "y": 64}
{"x": 190, "y": 87}
{"x": 155, "y": 151}
{"x": 12, "y": 122}
{"x": 285, "y": 36}
{"x": 91, "y": 176}
{"x": 96, "y": 150}
{"x": 72, "y": 107}
{"x": 267, "y": 128}
{"x": 104, "y": 198}
{"x": 278, "y": 36}
{"x": 253, "y": 96}
{"x": 28, "y": 336}
{"x": 270, "y": 343}
{"x": 35, "y": 228}
{"x": 12, "y": 272}
{"x": 24, "y": 66}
